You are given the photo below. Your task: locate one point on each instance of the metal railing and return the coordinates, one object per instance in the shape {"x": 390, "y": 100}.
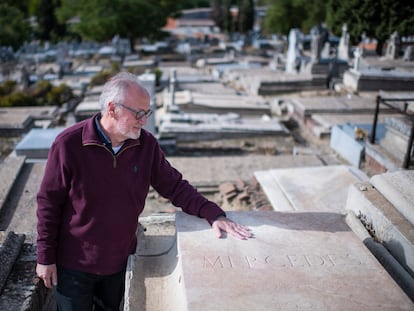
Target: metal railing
{"x": 389, "y": 101}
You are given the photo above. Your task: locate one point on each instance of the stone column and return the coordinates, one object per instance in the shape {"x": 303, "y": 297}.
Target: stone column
{"x": 173, "y": 80}
{"x": 343, "y": 49}
{"x": 357, "y": 58}
{"x": 148, "y": 80}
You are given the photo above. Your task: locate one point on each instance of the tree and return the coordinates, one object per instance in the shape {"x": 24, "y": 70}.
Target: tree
{"x": 220, "y": 13}
{"x": 42, "y": 93}
{"x": 246, "y": 15}
{"x": 21, "y": 5}
{"x": 377, "y": 18}
{"x": 316, "y": 13}
{"x": 101, "y": 20}
{"x": 223, "y": 18}
{"x": 7, "y": 87}
{"x": 16, "y": 99}
{"x": 58, "y": 95}
{"x": 284, "y": 15}
{"x": 190, "y": 4}
{"x": 14, "y": 28}
{"x": 48, "y": 28}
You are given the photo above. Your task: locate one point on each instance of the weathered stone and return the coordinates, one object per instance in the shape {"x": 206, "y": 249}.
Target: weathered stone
{"x": 343, "y": 141}
{"x": 152, "y": 279}
{"x": 231, "y": 195}
{"x": 384, "y": 221}
{"x": 240, "y": 185}
{"x": 9, "y": 252}
{"x": 355, "y": 105}
{"x": 227, "y": 188}
{"x": 243, "y": 196}
{"x": 220, "y": 169}
{"x": 297, "y": 261}
{"x": 376, "y": 79}
{"x": 398, "y": 187}
{"x": 15, "y": 121}
{"x": 322, "y": 188}
{"x": 37, "y": 142}
{"x": 9, "y": 170}
{"x": 24, "y": 205}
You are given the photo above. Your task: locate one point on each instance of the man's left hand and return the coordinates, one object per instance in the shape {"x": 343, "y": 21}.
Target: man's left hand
{"x": 223, "y": 224}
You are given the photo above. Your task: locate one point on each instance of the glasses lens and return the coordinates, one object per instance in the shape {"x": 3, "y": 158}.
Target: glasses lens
{"x": 142, "y": 113}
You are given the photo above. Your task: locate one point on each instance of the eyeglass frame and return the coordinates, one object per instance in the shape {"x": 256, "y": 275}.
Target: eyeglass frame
{"x": 139, "y": 114}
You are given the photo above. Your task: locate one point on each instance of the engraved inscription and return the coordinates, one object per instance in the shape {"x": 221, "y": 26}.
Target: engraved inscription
{"x": 283, "y": 261}
{"x": 218, "y": 262}
{"x": 294, "y": 306}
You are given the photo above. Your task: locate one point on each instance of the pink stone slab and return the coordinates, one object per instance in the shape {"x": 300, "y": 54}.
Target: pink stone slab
{"x": 322, "y": 188}
{"x": 297, "y": 261}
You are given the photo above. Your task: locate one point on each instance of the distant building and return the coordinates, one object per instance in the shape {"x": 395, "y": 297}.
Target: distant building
{"x": 193, "y": 23}
{"x": 198, "y": 23}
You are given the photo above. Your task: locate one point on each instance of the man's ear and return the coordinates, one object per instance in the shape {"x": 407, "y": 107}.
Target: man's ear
{"x": 111, "y": 108}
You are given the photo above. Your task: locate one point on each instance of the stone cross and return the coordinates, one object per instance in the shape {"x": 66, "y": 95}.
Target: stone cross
{"x": 319, "y": 37}
{"x": 343, "y": 49}
{"x": 357, "y": 58}
{"x": 173, "y": 81}
{"x": 408, "y": 54}
{"x": 363, "y": 42}
{"x": 393, "y": 47}
{"x": 294, "y": 53}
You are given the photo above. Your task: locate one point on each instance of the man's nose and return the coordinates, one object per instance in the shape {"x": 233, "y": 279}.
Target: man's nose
{"x": 143, "y": 120}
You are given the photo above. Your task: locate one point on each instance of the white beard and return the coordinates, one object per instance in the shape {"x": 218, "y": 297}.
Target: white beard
{"x": 127, "y": 132}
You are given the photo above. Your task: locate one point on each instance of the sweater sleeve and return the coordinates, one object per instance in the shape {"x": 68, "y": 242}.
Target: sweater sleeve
{"x": 169, "y": 183}
{"x": 51, "y": 197}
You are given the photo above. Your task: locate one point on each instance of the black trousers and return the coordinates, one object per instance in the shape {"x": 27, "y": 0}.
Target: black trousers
{"x": 80, "y": 291}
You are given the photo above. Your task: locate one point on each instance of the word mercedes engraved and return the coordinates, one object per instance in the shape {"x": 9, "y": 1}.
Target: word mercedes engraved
{"x": 283, "y": 261}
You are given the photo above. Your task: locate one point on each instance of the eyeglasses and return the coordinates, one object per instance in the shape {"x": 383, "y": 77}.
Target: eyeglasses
{"x": 139, "y": 114}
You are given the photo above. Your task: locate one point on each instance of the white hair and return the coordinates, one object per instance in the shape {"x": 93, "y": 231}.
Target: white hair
{"x": 114, "y": 90}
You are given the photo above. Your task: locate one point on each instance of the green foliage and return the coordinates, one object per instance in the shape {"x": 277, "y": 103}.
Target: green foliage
{"x": 354, "y": 13}
{"x": 14, "y": 29}
{"x": 59, "y": 95}
{"x": 190, "y": 4}
{"x": 284, "y": 15}
{"x": 43, "y": 92}
{"x": 18, "y": 98}
{"x": 246, "y": 15}
{"x": 48, "y": 27}
{"x": 100, "y": 20}
{"x": 115, "y": 66}
{"x": 279, "y": 17}
{"x": 221, "y": 14}
{"x": 7, "y": 87}
{"x": 41, "y": 88}
{"x": 378, "y": 19}
{"x": 158, "y": 74}
{"x": 101, "y": 77}
{"x": 21, "y": 5}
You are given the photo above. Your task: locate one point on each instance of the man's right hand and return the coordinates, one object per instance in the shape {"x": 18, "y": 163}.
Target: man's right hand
{"x": 48, "y": 273}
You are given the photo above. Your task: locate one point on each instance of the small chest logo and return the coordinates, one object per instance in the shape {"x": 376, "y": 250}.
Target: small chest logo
{"x": 135, "y": 168}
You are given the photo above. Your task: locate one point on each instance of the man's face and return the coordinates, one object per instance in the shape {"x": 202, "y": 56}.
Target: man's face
{"x": 131, "y": 114}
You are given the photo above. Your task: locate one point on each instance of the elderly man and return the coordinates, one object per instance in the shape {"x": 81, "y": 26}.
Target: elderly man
{"x": 97, "y": 177}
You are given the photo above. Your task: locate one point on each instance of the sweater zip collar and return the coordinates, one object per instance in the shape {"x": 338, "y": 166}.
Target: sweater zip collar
{"x": 101, "y": 134}
{"x": 91, "y": 135}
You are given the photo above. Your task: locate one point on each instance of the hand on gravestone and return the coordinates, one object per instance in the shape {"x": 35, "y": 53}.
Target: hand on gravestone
{"x": 223, "y": 224}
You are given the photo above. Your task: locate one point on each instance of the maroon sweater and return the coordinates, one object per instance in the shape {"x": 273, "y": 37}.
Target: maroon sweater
{"x": 90, "y": 199}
